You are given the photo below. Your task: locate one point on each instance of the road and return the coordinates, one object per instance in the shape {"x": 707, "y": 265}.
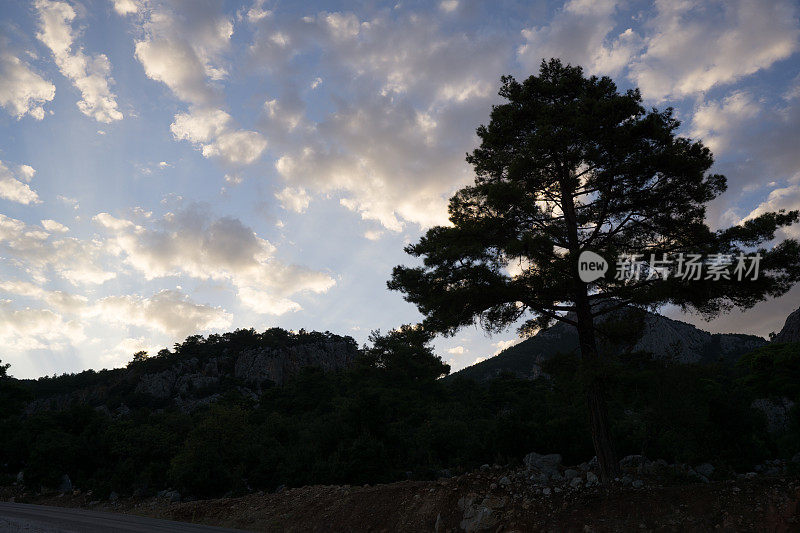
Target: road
{"x": 45, "y": 519}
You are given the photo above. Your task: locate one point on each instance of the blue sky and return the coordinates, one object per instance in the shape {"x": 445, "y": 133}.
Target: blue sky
{"x": 178, "y": 167}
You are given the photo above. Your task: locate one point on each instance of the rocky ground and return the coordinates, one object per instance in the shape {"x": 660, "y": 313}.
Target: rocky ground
{"x": 542, "y": 495}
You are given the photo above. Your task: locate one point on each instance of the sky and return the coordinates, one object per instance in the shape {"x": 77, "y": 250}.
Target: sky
{"x": 180, "y": 167}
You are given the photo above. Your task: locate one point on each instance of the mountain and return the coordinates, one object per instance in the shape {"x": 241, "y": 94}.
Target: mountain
{"x": 199, "y": 371}
{"x": 791, "y": 329}
{"x": 631, "y": 330}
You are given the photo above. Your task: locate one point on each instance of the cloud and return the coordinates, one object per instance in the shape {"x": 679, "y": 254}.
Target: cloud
{"x": 392, "y": 147}
{"x": 211, "y": 130}
{"x": 696, "y": 45}
{"x": 504, "y": 345}
{"x": 59, "y": 300}
{"x": 579, "y": 34}
{"x": 458, "y": 350}
{"x": 80, "y": 262}
{"x": 168, "y": 311}
{"x": 176, "y": 64}
{"x": 54, "y": 227}
{"x": 15, "y": 188}
{"x": 22, "y": 91}
{"x": 755, "y": 140}
{"x": 36, "y": 329}
{"x": 716, "y": 121}
{"x": 192, "y": 242}
{"x": 296, "y": 200}
{"x": 125, "y": 7}
{"x": 184, "y": 49}
{"x": 787, "y": 198}
{"x": 91, "y": 75}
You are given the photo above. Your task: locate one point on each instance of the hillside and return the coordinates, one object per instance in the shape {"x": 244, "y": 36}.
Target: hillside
{"x": 633, "y": 330}
{"x": 197, "y": 372}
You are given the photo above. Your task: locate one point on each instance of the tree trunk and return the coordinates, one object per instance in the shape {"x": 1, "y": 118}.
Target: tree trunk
{"x": 590, "y": 357}
{"x": 595, "y": 391}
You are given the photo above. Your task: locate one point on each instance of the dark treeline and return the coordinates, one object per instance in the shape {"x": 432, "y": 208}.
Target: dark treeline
{"x": 388, "y": 417}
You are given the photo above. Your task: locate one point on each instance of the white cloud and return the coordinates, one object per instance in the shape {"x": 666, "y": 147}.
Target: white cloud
{"x": 393, "y": 148}
{"x": 458, "y": 350}
{"x": 36, "y": 329}
{"x": 715, "y": 121}
{"x": 61, "y": 301}
{"x": 183, "y": 49}
{"x": 296, "y": 200}
{"x": 90, "y": 74}
{"x": 168, "y": 311}
{"x": 787, "y": 198}
{"x": 125, "y": 7}
{"x": 191, "y": 242}
{"x": 697, "y": 45}
{"x": 15, "y": 188}
{"x": 176, "y": 64}
{"x": 22, "y": 91}
{"x": 448, "y": 6}
{"x": 504, "y": 345}
{"x": 53, "y": 226}
{"x": 79, "y": 262}
{"x": 578, "y": 34}
{"x": 373, "y": 235}
{"x": 212, "y": 131}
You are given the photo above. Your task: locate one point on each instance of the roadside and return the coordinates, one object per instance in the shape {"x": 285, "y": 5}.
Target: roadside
{"x": 489, "y": 499}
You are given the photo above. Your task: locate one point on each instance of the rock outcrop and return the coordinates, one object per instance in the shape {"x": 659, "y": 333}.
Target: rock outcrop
{"x": 643, "y": 331}
{"x": 791, "y": 329}
{"x": 190, "y": 382}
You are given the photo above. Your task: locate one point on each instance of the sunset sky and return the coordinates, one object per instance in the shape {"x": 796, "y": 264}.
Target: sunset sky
{"x": 179, "y": 167}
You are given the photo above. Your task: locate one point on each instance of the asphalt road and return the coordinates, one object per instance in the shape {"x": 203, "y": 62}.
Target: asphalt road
{"x": 45, "y": 519}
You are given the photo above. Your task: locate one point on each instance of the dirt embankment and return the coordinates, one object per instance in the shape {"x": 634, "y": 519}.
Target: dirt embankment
{"x": 485, "y": 501}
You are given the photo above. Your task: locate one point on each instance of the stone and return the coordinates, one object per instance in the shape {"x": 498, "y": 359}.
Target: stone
{"x": 575, "y": 482}
{"x": 504, "y": 481}
{"x": 631, "y": 463}
{"x": 696, "y": 475}
{"x": 65, "y": 484}
{"x": 546, "y": 491}
{"x": 547, "y": 464}
{"x": 113, "y": 497}
{"x": 540, "y": 478}
{"x": 570, "y": 473}
{"x": 494, "y": 502}
{"x": 791, "y": 329}
{"x": 705, "y": 469}
{"x": 591, "y": 479}
{"x": 478, "y": 518}
{"x": 637, "y": 484}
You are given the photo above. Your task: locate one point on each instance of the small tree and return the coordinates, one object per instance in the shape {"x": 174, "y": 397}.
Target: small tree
{"x": 404, "y": 354}
{"x": 569, "y": 164}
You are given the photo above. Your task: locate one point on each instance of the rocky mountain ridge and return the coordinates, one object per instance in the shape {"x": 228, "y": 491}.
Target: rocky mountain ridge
{"x": 791, "y": 329}
{"x": 631, "y": 330}
{"x": 197, "y": 374}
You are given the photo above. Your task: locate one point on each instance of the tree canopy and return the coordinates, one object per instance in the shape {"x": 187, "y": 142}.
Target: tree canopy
{"x": 569, "y": 165}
